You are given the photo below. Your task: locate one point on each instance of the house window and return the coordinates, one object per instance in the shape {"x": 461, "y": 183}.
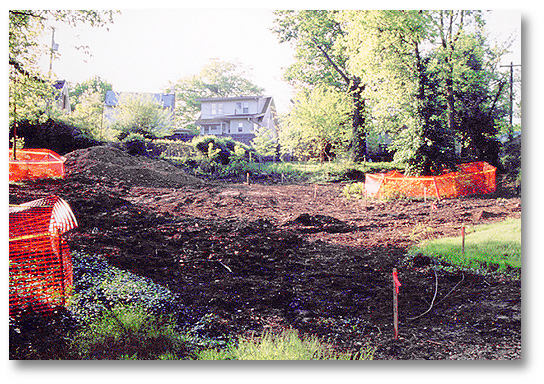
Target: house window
{"x": 214, "y": 109}
{"x": 240, "y": 127}
{"x": 246, "y": 107}
{"x": 220, "y": 108}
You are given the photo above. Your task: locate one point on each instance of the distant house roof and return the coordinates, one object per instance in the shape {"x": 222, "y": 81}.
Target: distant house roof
{"x": 231, "y": 98}
{"x": 59, "y": 84}
{"x": 167, "y": 100}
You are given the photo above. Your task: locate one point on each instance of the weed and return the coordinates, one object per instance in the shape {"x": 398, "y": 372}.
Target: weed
{"x": 287, "y": 345}
{"x": 128, "y": 332}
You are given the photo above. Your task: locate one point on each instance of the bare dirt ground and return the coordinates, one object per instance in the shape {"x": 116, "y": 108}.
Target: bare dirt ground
{"x": 269, "y": 256}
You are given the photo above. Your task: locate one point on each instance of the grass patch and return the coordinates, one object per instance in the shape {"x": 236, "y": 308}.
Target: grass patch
{"x": 494, "y": 247}
{"x": 287, "y": 345}
{"x": 329, "y": 171}
{"x": 129, "y": 333}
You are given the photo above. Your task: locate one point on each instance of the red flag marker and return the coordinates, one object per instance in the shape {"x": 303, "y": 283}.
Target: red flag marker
{"x": 396, "y": 280}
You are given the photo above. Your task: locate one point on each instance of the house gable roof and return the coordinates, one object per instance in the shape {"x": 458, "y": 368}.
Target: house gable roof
{"x": 268, "y": 101}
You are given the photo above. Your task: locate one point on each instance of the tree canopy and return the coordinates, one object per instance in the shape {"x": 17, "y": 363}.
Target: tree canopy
{"x": 427, "y": 78}
{"x": 30, "y": 89}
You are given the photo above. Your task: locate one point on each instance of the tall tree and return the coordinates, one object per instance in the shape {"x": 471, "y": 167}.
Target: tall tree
{"x": 320, "y": 60}
{"x": 318, "y": 125}
{"x": 217, "y": 79}
{"x": 28, "y": 86}
{"x": 384, "y": 49}
{"x": 427, "y": 79}
{"x": 449, "y": 27}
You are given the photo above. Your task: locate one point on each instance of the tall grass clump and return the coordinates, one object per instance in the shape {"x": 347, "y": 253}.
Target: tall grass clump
{"x": 128, "y": 332}
{"x": 494, "y": 246}
{"x": 287, "y": 345}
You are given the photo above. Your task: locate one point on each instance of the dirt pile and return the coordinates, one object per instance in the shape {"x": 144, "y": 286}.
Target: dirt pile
{"x": 112, "y": 165}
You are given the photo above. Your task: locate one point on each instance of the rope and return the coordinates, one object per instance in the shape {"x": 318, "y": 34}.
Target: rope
{"x": 434, "y": 297}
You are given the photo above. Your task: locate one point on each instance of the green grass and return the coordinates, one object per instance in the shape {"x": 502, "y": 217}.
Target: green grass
{"x": 287, "y": 345}
{"x": 492, "y": 246}
{"x": 128, "y": 333}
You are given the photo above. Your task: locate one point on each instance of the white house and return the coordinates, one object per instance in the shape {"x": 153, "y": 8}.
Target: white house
{"x": 237, "y": 117}
{"x": 62, "y": 96}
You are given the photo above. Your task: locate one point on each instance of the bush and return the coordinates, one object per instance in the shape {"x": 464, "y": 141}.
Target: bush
{"x": 54, "y": 135}
{"x": 354, "y": 191}
{"x": 225, "y": 145}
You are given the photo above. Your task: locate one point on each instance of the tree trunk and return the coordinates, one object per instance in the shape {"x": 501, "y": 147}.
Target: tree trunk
{"x": 358, "y": 140}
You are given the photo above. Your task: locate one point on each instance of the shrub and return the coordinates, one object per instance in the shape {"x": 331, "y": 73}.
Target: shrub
{"x": 354, "y": 191}
{"x": 225, "y": 145}
{"x": 54, "y": 135}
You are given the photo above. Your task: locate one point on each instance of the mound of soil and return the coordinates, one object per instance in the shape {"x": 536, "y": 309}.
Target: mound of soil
{"x": 272, "y": 256}
{"x": 114, "y": 165}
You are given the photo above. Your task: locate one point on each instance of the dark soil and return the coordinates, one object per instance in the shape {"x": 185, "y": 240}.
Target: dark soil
{"x": 273, "y": 256}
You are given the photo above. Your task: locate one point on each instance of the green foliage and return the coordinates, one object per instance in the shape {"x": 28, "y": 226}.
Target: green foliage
{"x": 87, "y": 115}
{"x": 94, "y": 85}
{"x": 222, "y": 149}
{"x": 139, "y": 119}
{"x": 321, "y": 60}
{"x": 141, "y": 114}
{"x": 30, "y": 90}
{"x": 354, "y": 191}
{"x": 493, "y": 246}
{"x": 264, "y": 143}
{"x": 287, "y": 345}
{"x": 318, "y": 125}
{"x": 19, "y": 143}
{"x": 427, "y": 78}
{"x": 128, "y": 332}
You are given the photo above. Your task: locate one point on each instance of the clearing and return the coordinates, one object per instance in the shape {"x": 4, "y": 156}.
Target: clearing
{"x": 269, "y": 256}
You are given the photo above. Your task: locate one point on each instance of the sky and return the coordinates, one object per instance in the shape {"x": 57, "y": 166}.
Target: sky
{"x": 146, "y": 49}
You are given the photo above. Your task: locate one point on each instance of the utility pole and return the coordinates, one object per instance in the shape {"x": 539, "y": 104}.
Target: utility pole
{"x": 54, "y": 48}
{"x": 512, "y": 65}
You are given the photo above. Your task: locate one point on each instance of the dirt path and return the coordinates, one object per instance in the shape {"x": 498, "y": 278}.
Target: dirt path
{"x": 271, "y": 256}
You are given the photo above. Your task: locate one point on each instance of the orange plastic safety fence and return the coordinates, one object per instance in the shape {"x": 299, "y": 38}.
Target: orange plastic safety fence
{"x": 31, "y": 164}
{"x": 472, "y": 178}
{"x": 40, "y": 267}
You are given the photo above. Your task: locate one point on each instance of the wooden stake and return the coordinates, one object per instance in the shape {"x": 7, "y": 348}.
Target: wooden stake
{"x": 315, "y": 191}
{"x": 425, "y": 194}
{"x": 395, "y": 305}
{"x": 247, "y": 178}
{"x": 463, "y": 240}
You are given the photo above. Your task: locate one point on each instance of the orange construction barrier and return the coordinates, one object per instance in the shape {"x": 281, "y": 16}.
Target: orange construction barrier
{"x": 40, "y": 266}
{"x": 34, "y": 164}
{"x": 471, "y": 178}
